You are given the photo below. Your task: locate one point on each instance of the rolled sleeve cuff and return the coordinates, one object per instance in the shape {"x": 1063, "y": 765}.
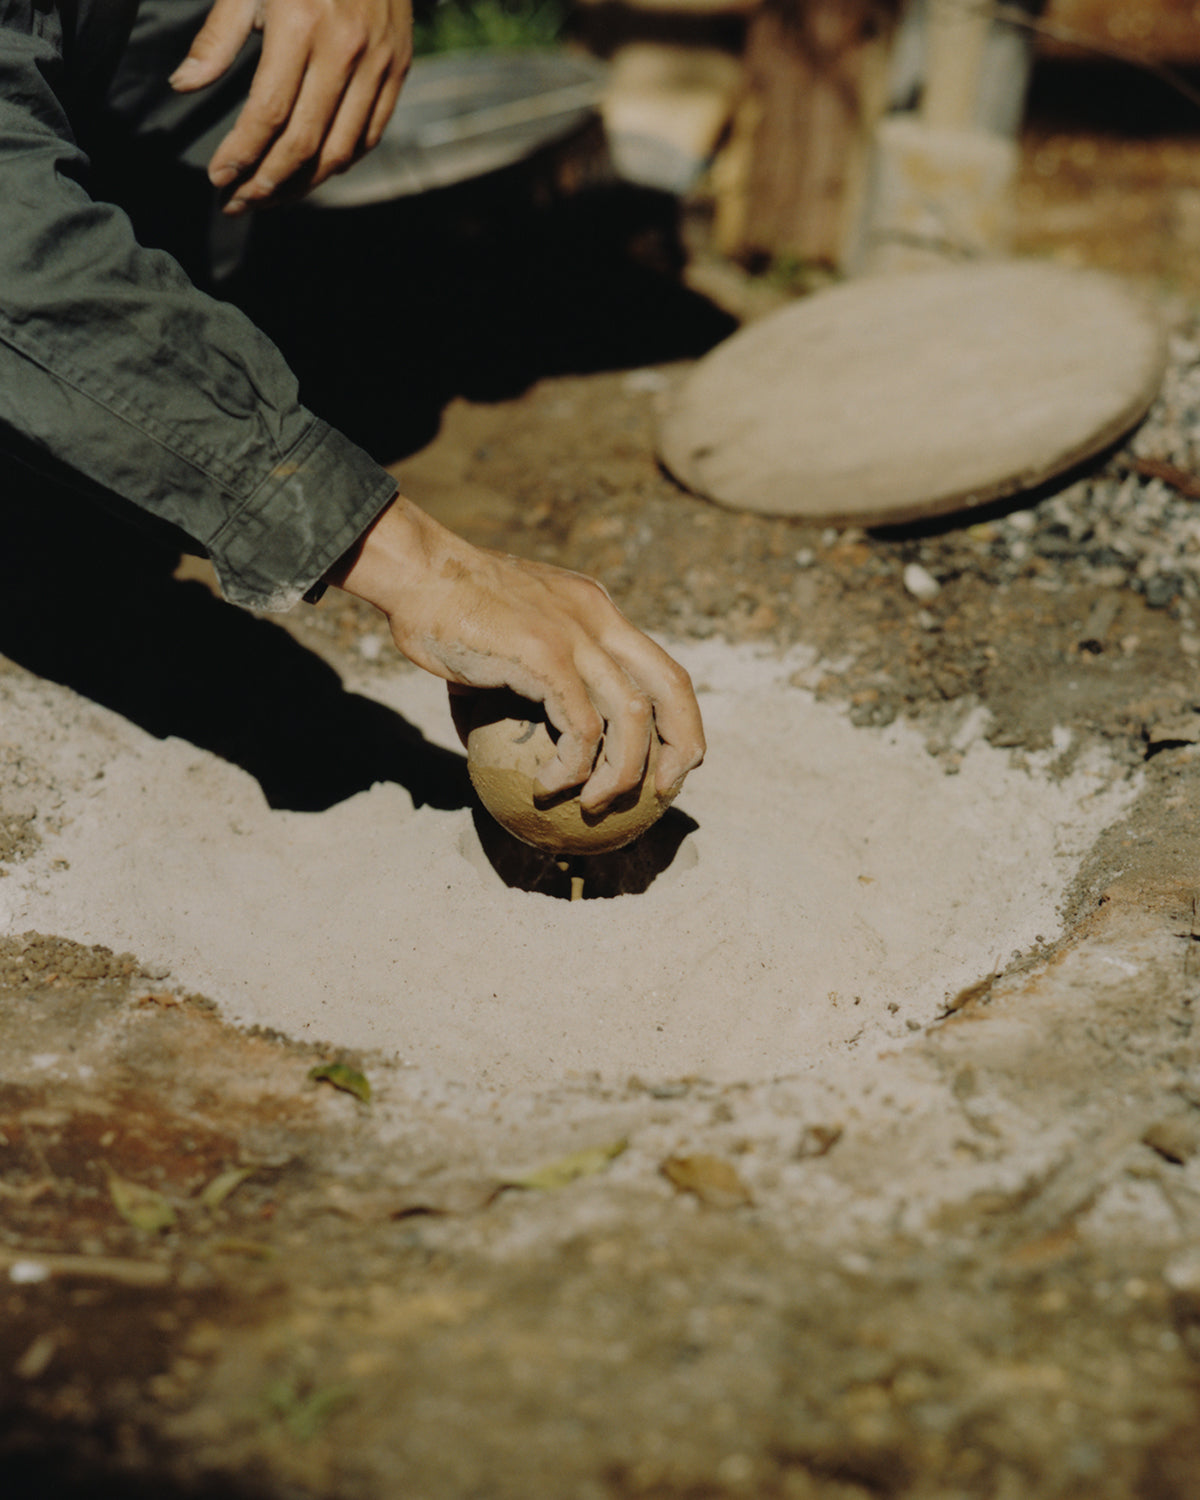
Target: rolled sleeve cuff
{"x": 305, "y": 515}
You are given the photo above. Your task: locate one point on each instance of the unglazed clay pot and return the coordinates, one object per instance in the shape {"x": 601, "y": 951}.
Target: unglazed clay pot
{"x": 508, "y": 744}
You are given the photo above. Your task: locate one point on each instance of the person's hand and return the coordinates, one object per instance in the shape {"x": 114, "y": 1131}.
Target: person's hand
{"x": 480, "y": 619}
{"x": 324, "y": 88}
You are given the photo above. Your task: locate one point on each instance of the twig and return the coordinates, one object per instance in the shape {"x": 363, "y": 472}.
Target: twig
{"x": 37, "y": 1266}
{"x": 1183, "y": 480}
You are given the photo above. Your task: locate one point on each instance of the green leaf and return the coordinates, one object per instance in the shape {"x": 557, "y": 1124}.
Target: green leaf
{"x": 557, "y": 1174}
{"x": 140, "y": 1206}
{"x": 214, "y": 1193}
{"x": 305, "y": 1414}
{"x": 343, "y": 1077}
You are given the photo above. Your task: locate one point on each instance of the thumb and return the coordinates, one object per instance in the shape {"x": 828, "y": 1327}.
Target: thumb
{"x": 216, "y": 44}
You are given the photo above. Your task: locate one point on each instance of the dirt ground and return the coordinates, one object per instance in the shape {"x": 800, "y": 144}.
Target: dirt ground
{"x": 978, "y": 1277}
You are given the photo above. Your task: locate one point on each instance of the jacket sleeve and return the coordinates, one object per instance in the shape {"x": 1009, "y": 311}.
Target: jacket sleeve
{"x": 113, "y": 364}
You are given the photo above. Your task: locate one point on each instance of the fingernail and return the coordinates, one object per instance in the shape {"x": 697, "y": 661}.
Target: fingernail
{"x": 188, "y": 72}
{"x": 235, "y": 206}
{"x": 223, "y": 176}
{"x": 550, "y": 786}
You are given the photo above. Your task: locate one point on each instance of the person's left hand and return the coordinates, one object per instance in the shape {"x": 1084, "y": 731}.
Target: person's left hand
{"x": 324, "y": 88}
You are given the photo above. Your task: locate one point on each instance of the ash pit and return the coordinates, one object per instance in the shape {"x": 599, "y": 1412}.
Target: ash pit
{"x": 817, "y": 891}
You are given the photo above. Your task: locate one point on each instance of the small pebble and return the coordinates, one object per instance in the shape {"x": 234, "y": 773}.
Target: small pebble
{"x": 28, "y": 1272}
{"x": 921, "y": 583}
{"x": 649, "y": 381}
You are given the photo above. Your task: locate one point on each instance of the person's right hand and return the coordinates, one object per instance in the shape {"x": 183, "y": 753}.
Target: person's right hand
{"x": 324, "y": 88}
{"x": 480, "y": 619}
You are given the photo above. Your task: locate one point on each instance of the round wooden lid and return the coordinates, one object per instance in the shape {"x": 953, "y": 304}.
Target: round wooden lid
{"x": 899, "y": 397}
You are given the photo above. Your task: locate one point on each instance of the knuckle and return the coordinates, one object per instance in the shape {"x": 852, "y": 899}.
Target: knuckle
{"x": 638, "y": 708}
{"x": 348, "y": 38}
{"x": 303, "y": 146}
{"x": 592, "y": 589}
{"x": 269, "y": 114}
{"x": 678, "y": 679}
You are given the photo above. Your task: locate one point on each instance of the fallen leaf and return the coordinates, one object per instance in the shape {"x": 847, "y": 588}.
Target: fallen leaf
{"x": 214, "y": 1193}
{"x": 253, "y": 1249}
{"x": 140, "y": 1206}
{"x": 456, "y": 1195}
{"x": 1181, "y": 730}
{"x": 711, "y": 1178}
{"x": 343, "y": 1076}
{"x": 36, "y": 1359}
{"x": 1176, "y": 1138}
{"x": 817, "y": 1140}
{"x": 28, "y": 1192}
{"x": 557, "y": 1174}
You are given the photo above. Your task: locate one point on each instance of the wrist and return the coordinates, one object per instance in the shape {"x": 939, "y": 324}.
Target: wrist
{"x": 381, "y": 564}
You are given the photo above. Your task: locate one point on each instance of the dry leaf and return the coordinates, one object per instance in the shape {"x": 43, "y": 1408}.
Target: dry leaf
{"x": 817, "y": 1140}
{"x": 713, "y": 1180}
{"x": 253, "y": 1249}
{"x": 453, "y": 1195}
{"x": 1176, "y": 1138}
{"x": 140, "y": 1206}
{"x": 343, "y": 1076}
{"x": 567, "y": 1169}
{"x": 28, "y": 1192}
{"x": 214, "y": 1193}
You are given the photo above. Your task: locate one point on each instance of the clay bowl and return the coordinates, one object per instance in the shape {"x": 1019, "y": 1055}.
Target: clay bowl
{"x": 508, "y": 743}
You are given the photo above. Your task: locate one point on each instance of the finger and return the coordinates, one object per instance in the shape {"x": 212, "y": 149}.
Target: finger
{"x": 605, "y": 723}
{"x": 677, "y": 717}
{"x": 579, "y": 723}
{"x": 268, "y": 109}
{"x": 628, "y": 725}
{"x": 385, "y": 104}
{"x": 346, "y": 139}
{"x": 296, "y": 152}
{"x": 216, "y": 44}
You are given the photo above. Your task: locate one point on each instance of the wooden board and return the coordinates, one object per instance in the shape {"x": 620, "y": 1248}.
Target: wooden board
{"x": 900, "y": 397}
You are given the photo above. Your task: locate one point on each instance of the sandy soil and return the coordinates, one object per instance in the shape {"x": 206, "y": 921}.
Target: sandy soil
{"x": 847, "y": 1145}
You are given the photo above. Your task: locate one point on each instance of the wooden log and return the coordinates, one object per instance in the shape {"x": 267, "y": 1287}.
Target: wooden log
{"x": 1162, "y": 31}
{"x": 817, "y": 83}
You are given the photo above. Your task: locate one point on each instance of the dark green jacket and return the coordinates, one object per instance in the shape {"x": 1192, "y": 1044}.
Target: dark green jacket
{"x": 113, "y": 367}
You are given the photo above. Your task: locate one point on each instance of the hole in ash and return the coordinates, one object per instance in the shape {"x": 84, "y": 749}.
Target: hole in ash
{"x": 621, "y": 872}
